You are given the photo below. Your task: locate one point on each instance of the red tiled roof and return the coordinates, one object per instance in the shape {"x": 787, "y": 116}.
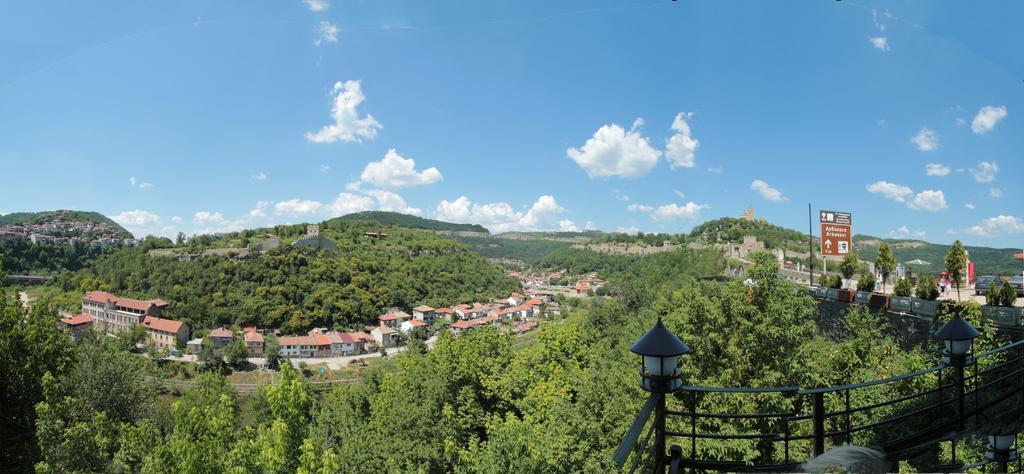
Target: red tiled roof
{"x": 161, "y": 324}
{"x": 384, "y": 330}
{"x": 249, "y": 329}
{"x": 423, "y": 308}
{"x": 77, "y": 320}
{"x": 535, "y": 302}
{"x": 141, "y": 305}
{"x": 462, "y": 325}
{"x": 417, "y": 323}
{"x": 348, "y": 338}
{"x": 321, "y": 340}
{"x": 393, "y": 316}
{"x": 296, "y": 341}
{"x": 253, "y": 336}
{"x": 362, "y": 336}
{"x": 222, "y": 333}
{"x": 444, "y": 310}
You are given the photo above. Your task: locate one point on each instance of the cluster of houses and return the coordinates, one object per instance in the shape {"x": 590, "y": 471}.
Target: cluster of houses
{"x": 109, "y": 313}
{"x": 112, "y": 314}
{"x": 70, "y": 232}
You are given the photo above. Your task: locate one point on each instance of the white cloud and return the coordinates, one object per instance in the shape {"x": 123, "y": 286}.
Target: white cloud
{"x": 767, "y": 192}
{"x": 589, "y": 225}
{"x": 639, "y": 208}
{"x": 904, "y": 232}
{"x": 176, "y": 220}
{"x": 1000, "y": 224}
{"x": 347, "y": 126}
{"x": 969, "y": 205}
{"x": 987, "y": 119}
{"x": 681, "y": 147}
{"x": 393, "y": 171}
{"x": 500, "y": 216}
{"x": 690, "y": 210}
{"x": 566, "y": 225}
{"x": 347, "y": 203}
{"x": 936, "y": 169}
{"x": 985, "y": 172}
{"x": 679, "y": 193}
{"x": 879, "y": 42}
{"x": 930, "y": 200}
{"x": 926, "y": 140}
{"x": 206, "y": 217}
{"x": 297, "y": 206}
{"x": 139, "y": 183}
{"x": 325, "y": 168}
{"x": 326, "y": 32}
{"x": 389, "y": 201}
{"x": 960, "y": 122}
{"x": 136, "y": 218}
{"x": 260, "y": 177}
{"x": 628, "y": 230}
{"x": 317, "y": 5}
{"x": 896, "y": 192}
{"x": 995, "y": 192}
{"x": 715, "y": 170}
{"x": 613, "y": 151}
{"x": 879, "y": 19}
{"x": 617, "y": 194}
{"x": 260, "y": 211}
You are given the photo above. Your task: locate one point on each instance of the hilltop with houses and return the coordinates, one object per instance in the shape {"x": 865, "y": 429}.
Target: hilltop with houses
{"x": 65, "y": 227}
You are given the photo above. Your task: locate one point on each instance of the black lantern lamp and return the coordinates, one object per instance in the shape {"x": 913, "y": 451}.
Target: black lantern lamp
{"x": 660, "y": 351}
{"x": 958, "y": 336}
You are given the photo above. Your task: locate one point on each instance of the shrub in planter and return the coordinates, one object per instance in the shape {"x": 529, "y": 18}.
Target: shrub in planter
{"x": 1009, "y": 294}
{"x": 866, "y": 282}
{"x": 831, "y": 281}
{"x": 903, "y": 288}
{"x": 927, "y": 288}
{"x": 994, "y": 295}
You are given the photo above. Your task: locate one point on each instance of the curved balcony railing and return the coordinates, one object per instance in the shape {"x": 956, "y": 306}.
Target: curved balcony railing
{"x": 904, "y": 416}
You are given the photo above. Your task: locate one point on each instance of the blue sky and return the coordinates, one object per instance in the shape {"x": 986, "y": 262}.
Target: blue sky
{"x": 647, "y": 115}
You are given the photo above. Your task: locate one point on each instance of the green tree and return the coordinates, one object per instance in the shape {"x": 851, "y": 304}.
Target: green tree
{"x": 1009, "y": 295}
{"x": 885, "y": 263}
{"x": 237, "y": 354}
{"x": 866, "y": 282}
{"x": 927, "y": 288}
{"x": 849, "y": 266}
{"x": 210, "y": 359}
{"x": 272, "y": 351}
{"x": 956, "y": 264}
{"x": 903, "y": 287}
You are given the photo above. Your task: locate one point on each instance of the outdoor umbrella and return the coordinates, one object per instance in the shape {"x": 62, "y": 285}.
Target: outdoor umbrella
{"x": 917, "y": 261}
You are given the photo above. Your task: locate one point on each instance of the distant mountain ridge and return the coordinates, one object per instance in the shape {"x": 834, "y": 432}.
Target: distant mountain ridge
{"x": 987, "y": 260}
{"x": 414, "y": 222}
{"x": 35, "y": 218}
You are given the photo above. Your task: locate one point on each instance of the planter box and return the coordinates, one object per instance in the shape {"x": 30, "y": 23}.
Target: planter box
{"x": 821, "y": 292}
{"x": 879, "y": 300}
{"x": 845, "y": 296}
{"x": 924, "y": 307}
{"x": 900, "y": 303}
{"x": 832, "y": 294}
{"x": 862, "y": 297}
{"x": 1002, "y": 316}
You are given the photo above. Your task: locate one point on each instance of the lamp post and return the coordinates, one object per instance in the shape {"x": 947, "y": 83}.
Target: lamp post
{"x": 957, "y": 336}
{"x": 1002, "y": 448}
{"x": 659, "y": 352}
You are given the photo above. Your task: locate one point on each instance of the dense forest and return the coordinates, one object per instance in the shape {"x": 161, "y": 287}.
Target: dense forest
{"x": 296, "y": 289}
{"x": 527, "y": 250}
{"x": 22, "y": 257}
{"x": 729, "y": 229}
{"x": 471, "y": 404}
{"x": 22, "y": 218}
{"x": 413, "y": 222}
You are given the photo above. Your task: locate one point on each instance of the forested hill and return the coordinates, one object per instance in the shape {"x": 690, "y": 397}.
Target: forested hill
{"x": 31, "y": 218}
{"x": 987, "y": 260}
{"x": 297, "y": 289}
{"x": 414, "y": 222}
{"x": 729, "y": 229}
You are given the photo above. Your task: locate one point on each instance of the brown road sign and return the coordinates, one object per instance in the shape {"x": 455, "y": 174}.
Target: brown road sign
{"x": 835, "y": 233}
{"x": 835, "y": 240}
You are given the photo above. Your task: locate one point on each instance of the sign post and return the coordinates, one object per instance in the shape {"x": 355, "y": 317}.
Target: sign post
{"x": 836, "y": 238}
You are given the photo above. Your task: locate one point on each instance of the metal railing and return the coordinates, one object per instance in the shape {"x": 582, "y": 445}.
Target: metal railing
{"x": 776, "y": 429}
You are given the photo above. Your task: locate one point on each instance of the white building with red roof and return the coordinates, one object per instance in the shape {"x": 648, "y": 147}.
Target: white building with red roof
{"x": 254, "y": 343}
{"x": 115, "y": 314}
{"x": 393, "y": 319}
{"x": 165, "y": 333}
{"x": 78, "y": 325}
{"x": 423, "y": 313}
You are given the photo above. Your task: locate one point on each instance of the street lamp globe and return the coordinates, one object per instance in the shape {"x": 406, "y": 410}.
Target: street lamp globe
{"x": 660, "y": 350}
{"x": 957, "y": 335}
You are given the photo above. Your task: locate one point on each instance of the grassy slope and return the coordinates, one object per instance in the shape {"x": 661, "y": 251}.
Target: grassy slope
{"x": 415, "y": 222}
